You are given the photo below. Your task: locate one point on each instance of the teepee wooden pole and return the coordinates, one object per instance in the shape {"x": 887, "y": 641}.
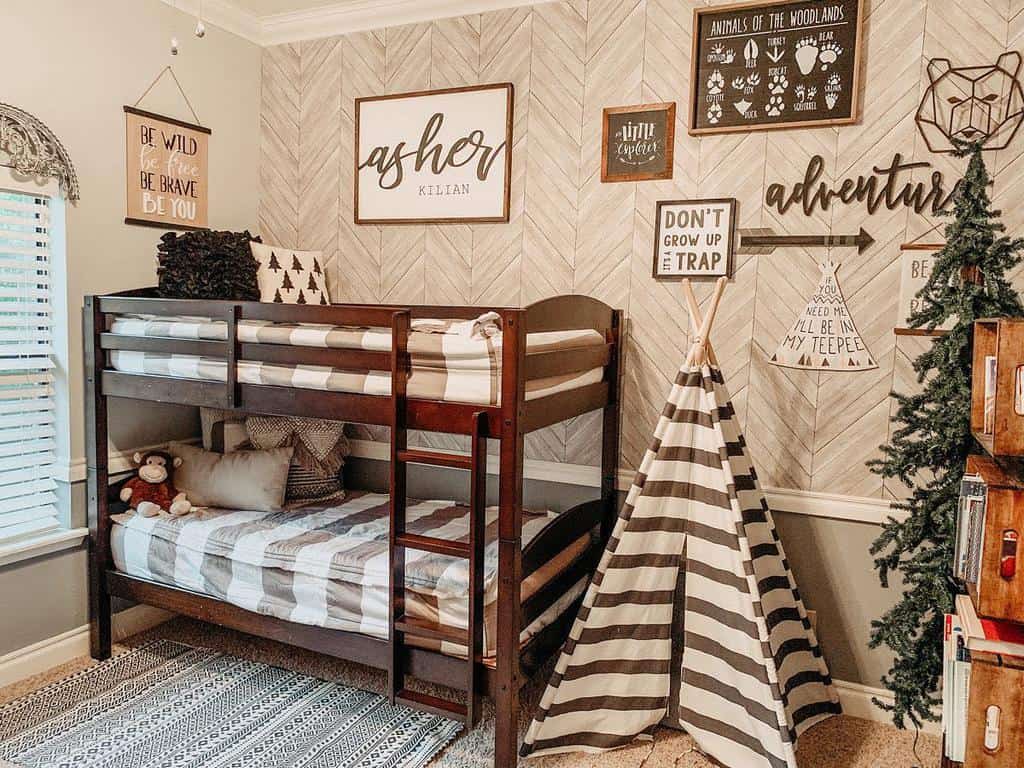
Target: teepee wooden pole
{"x": 700, "y": 343}
{"x": 693, "y": 306}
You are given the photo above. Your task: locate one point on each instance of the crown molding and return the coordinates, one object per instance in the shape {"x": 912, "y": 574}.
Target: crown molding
{"x": 362, "y": 15}
{"x": 335, "y": 19}
{"x": 223, "y": 14}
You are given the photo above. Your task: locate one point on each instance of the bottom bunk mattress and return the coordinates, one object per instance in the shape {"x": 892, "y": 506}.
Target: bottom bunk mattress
{"x": 327, "y": 565}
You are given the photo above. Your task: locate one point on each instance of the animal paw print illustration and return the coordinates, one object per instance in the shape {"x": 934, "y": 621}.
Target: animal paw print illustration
{"x": 812, "y": 92}
{"x": 753, "y": 80}
{"x": 807, "y": 54}
{"x": 720, "y": 53}
{"x": 800, "y": 91}
{"x": 778, "y": 83}
{"x": 832, "y": 88}
{"x": 715, "y": 83}
{"x": 830, "y": 51}
{"x": 739, "y": 83}
{"x": 714, "y": 113}
{"x": 774, "y": 106}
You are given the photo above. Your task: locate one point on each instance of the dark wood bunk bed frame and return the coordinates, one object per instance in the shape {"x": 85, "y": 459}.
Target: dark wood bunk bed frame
{"x": 507, "y": 422}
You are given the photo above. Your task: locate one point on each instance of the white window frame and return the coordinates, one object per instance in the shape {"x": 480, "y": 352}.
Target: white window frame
{"x": 64, "y": 536}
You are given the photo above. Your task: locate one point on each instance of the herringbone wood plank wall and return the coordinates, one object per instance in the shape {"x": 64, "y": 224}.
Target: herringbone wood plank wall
{"x": 571, "y": 233}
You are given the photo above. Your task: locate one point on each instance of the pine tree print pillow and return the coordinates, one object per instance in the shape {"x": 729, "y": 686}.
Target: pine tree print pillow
{"x": 290, "y": 277}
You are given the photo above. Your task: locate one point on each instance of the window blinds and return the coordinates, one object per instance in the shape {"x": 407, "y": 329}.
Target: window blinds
{"x": 28, "y": 505}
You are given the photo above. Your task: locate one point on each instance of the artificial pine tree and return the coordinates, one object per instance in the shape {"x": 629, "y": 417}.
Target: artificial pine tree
{"x": 932, "y": 439}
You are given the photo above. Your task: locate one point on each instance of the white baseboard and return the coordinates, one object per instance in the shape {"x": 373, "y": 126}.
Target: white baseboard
{"x": 856, "y": 700}
{"x": 67, "y": 646}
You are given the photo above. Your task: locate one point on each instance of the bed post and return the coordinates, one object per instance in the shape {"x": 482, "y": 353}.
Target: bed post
{"x": 610, "y": 430}
{"x": 96, "y": 482}
{"x": 510, "y": 527}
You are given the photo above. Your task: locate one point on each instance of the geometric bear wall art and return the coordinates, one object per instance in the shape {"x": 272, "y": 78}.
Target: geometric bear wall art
{"x": 967, "y": 105}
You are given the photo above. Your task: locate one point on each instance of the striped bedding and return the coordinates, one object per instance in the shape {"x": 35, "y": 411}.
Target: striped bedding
{"x": 457, "y": 361}
{"x": 693, "y": 619}
{"x": 327, "y": 565}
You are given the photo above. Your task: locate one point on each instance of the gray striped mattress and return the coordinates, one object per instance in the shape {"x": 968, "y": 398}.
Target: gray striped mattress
{"x": 450, "y": 361}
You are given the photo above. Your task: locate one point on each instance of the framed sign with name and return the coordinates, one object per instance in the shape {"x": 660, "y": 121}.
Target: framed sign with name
{"x": 775, "y": 64}
{"x": 434, "y": 157}
{"x": 167, "y": 171}
{"x": 694, "y": 238}
{"x": 637, "y": 143}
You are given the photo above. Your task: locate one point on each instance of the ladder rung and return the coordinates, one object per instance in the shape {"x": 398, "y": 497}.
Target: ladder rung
{"x": 411, "y": 625}
{"x": 433, "y": 544}
{"x": 432, "y": 704}
{"x": 436, "y": 459}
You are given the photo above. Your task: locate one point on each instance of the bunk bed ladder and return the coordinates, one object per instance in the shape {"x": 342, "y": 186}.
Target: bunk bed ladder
{"x": 401, "y": 625}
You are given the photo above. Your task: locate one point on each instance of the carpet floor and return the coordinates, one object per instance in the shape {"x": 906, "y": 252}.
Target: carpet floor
{"x": 840, "y": 742}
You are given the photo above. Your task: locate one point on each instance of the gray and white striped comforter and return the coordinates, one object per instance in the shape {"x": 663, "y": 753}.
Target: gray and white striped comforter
{"x": 693, "y": 618}
{"x": 325, "y": 565}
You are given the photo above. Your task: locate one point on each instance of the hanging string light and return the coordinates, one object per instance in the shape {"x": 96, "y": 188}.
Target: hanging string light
{"x": 200, "y": 27}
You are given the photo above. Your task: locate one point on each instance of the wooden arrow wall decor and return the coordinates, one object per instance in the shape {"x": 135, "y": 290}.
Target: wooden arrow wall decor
{"x": 764, "y": 241}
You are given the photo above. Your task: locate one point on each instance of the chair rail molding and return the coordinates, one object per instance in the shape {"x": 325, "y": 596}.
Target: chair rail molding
{"x": 858, "y": 509}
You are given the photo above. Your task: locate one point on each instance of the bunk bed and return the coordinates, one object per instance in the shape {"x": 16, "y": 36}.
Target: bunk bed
{"x": 553, "y": 360}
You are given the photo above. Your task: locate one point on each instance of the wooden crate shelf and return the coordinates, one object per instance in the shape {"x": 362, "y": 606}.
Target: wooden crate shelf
{"x": 995, "y": 595}
{"x": 1003, "y": 339}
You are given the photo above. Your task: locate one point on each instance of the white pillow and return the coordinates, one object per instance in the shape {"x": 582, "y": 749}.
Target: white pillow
{"x": 290, "y": 277}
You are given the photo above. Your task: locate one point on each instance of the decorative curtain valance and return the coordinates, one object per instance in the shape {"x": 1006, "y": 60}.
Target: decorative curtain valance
{"x": 35, "y": 150}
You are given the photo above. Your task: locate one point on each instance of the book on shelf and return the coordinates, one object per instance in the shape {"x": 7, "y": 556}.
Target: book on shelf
{"x": 988, "y": 635}
{"x": 970, "y": 529}
{"x": 955, "y": 688}
{"x": 989, "y": 419}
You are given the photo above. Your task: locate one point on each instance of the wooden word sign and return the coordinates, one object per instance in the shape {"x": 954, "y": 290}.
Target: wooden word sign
{"x": 167, "y": 174}
{"x": 694, "y": 238}
{"x": 439, "y": 157}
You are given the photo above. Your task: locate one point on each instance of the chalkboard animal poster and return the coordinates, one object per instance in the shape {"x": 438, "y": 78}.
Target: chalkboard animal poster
{"x": 638, "y": 142}
{"x": 972, "y": 104}
{"x": 694, "y": 238}
{"x": 167, "y": 171}
{"x": 824, "y": 336}
{"x": 434, "y": 157}
{"x": 775, "y": 64}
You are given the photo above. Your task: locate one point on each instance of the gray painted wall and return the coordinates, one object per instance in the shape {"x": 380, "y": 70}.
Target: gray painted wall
{"x": 99, "y": 56}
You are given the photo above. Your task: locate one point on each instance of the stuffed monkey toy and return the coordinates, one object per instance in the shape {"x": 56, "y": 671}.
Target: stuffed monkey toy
{"x": 152, "y": 490}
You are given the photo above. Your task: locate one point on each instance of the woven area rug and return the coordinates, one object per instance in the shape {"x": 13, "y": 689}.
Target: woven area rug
{"x": 174, "y": 706}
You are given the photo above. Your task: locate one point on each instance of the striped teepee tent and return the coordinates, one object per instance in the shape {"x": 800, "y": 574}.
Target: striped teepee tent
{"x": 693, "y": 619}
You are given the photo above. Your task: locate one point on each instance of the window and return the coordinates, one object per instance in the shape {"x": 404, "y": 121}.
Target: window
{"x": 28, "y": 504}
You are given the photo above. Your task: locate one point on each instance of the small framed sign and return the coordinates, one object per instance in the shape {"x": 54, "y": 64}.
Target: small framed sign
{"x": 694, "y": 238}
{"x": 167, "y": 171}
{"x": 434, "y": 157}
{"x": 637, "y": 143}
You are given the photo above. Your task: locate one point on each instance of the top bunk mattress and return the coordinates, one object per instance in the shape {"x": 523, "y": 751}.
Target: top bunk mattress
{"x": 452, "y": 360}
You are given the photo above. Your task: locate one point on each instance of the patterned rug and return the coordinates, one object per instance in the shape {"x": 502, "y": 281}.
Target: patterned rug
{"x": 170, "y": 705}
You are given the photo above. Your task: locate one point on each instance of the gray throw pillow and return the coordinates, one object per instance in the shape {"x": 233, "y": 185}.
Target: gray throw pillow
{"x": 245, "y": 480}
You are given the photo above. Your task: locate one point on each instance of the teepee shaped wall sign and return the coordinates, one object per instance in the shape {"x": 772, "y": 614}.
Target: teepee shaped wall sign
{"x": 824, "y": 336}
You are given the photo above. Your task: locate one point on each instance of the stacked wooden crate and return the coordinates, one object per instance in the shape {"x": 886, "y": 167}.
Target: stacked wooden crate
{"x": 995, "y": 609}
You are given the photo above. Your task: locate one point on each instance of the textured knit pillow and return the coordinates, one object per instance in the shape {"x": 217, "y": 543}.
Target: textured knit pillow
{"x": 290, "y": 277}
{"x": 320, "y": 450}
